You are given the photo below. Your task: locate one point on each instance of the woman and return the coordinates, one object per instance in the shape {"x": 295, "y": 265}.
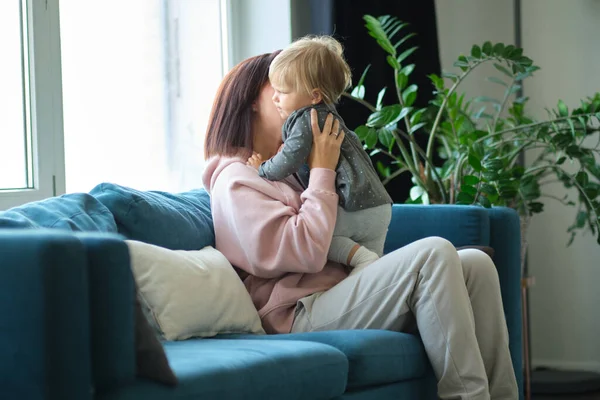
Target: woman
{"x": 278, "y": 234}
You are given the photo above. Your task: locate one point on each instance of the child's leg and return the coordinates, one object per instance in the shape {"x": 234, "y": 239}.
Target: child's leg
{"x": 367, "y": 228}
{"x": 375, "y": 223}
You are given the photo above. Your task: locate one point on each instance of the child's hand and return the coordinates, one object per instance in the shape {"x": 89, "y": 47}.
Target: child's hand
{"x": 255, "y": 161}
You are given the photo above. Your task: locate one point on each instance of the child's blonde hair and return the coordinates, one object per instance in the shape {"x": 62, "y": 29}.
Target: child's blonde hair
{"x": 312, "y": 62}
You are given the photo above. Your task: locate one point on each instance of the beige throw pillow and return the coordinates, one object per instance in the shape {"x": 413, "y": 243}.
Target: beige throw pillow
{"x": 192, "y": 293}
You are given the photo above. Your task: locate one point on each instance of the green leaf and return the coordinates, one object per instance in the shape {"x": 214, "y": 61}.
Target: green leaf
{"x": 416, "y": 192}
{"x": 404, "y": 112}
{"x": 562, "y": 109}
{"x": 503, "y": 69}
{"x": 498, "y": 49}
{"x": 416, "y": 127}
{"x": 416, "y": 116}
{"x": 380, "y": 98}
{"x": 474, "y": 162}
{"x": 582, "y": 178}
{"x": 484, "y": 201}
{"x": 386, "y": 137}
{"x": 362, "y": 77}
{"x": 561, "y": 160}
{"x": 476, "y": 51}
{"x": 383, "y": 170}
{"x": 359, "y": 92}
{"x": 437, "y": 81}
{"x": 407, "y": 70}
{"x": 401, "y": 80}
{"x": 497, "y": 80}
{"x": 488, "y": 189}
{"x": 371, "y": 138}
{"x": 581, "y": 218}
{"x": 508, "y": 50}
{"x": 487, "y": 48}
{"x": 393, "y": 62}
{"x": 468, "y": 189}
{"x": 405, "y": 54}
{"x": 409, "y": 95}
{"x": 404, "y": 39}
{"x": 470, "y": 180}
{"x": 387, "y": 115}
{"x": 512, "y": 90}
{"x": 362, "y": 131}
{"x": 486, "y": 99}
{"x": 453, "y": 77}
{"x": 536, "y": 207}
{"x": 465, "y": 198}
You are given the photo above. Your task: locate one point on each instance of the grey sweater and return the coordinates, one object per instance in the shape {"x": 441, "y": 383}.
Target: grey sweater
{"x": 357, "y": 182}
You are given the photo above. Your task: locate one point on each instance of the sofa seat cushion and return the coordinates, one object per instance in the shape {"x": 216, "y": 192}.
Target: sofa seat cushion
{"x": 248, "y": 369}
{"x": 376, "y": 356}
{"x": 71, "y": 212}
{"x": 176, "y": 221}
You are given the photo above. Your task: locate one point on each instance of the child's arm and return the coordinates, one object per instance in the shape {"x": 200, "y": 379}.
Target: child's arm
{"x": 293, "y": 154}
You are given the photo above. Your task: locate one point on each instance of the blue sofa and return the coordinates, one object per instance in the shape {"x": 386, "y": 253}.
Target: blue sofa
{"x": 66, "y": 301}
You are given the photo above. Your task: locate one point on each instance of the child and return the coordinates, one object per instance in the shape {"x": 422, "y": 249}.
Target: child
{"x": 312, "y": 73}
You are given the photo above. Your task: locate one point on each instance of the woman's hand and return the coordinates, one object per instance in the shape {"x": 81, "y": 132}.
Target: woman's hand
{"x": 326, "y": 143}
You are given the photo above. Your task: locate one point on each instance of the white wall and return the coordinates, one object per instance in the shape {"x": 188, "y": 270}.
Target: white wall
{"x": 463, "y": 23}
{"x": 258, "y": 26}
{"x": 562, "y": 37}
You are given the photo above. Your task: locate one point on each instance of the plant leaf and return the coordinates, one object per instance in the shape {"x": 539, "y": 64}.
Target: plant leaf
{"x": 476, "y": 51}
{"x": 358, "y": 92}
{"x": 386, "y": 137}
{"x": 387, "y": 115}
{"x": 470, "y": 180}
{"x": 393, "y": 62}
{"x": 503, "y": 69}
{"x": 408, "y": 69}
{"x": 487, "y": 48}
{"x": 380, "y": 98}
{"x": 404, "y": 39}
{"x": 497, "y": 80}
{"x": 405, "y": 54}
{"x": 416, "y": 116}
{"x": 409, "y": 95}
{"x": 416, "y": 127}
{"x": 464, "y": 198}
{"x": 563, "y": 111}
{"x": 474, "y": 162}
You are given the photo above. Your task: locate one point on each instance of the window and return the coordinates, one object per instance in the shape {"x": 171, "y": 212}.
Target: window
{"x": 139, "y": 78}
{"x": 30, "y": 111}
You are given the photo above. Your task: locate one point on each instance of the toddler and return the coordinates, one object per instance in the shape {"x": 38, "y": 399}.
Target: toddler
{"x": 312, "y": 73}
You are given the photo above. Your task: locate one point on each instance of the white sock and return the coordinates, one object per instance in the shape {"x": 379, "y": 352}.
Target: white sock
{"x": 363, "y": 257}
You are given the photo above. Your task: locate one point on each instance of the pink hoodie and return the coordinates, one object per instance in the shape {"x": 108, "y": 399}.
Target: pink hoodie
{"x": 276, "y": 235}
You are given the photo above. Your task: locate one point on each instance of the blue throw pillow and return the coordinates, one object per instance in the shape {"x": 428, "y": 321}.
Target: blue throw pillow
{"x": 72, "y": 212}
{"x": 180, "y": 221}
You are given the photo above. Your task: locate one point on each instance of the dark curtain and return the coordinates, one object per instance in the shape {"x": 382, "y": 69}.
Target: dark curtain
{"x": 344, "y": 19}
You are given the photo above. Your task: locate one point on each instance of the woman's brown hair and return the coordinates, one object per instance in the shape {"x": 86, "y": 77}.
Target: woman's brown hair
{"x": 230, "y": 122}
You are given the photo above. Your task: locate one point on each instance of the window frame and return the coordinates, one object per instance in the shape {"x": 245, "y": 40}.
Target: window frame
{"x": 46, "y": 114}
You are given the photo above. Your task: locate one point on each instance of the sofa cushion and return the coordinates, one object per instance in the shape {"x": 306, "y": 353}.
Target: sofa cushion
{"x": 192, "y": 293}
{"x": 376, "y": 356}
{"x": 248, "y": 369}
{"x": 73, "y": 212}
{"x": 175, "y": 221}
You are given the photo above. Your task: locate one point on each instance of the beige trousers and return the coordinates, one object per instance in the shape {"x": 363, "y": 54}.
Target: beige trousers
{"x": 452, "y": 298}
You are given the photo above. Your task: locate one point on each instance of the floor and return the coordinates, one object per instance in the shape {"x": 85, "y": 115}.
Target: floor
{"x": 587, "y": 396}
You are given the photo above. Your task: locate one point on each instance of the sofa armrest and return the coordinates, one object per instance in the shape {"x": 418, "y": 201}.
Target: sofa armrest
{"x": 44, "y": 333}
{"x": 461, "y": 225}
{"x": 505, "y": 238}
{"x": 111, "y": 288}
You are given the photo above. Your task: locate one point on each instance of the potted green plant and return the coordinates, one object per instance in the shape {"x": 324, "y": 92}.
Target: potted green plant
{"x": 480, "y": 139}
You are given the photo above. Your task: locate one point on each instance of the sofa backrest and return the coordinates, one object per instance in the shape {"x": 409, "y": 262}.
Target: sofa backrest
{"x": 71, "y": 212}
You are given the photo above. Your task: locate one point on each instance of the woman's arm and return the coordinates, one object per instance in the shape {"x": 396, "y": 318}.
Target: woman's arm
{"x": 260, "y": 229}
{"x": 263, "y": 228}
